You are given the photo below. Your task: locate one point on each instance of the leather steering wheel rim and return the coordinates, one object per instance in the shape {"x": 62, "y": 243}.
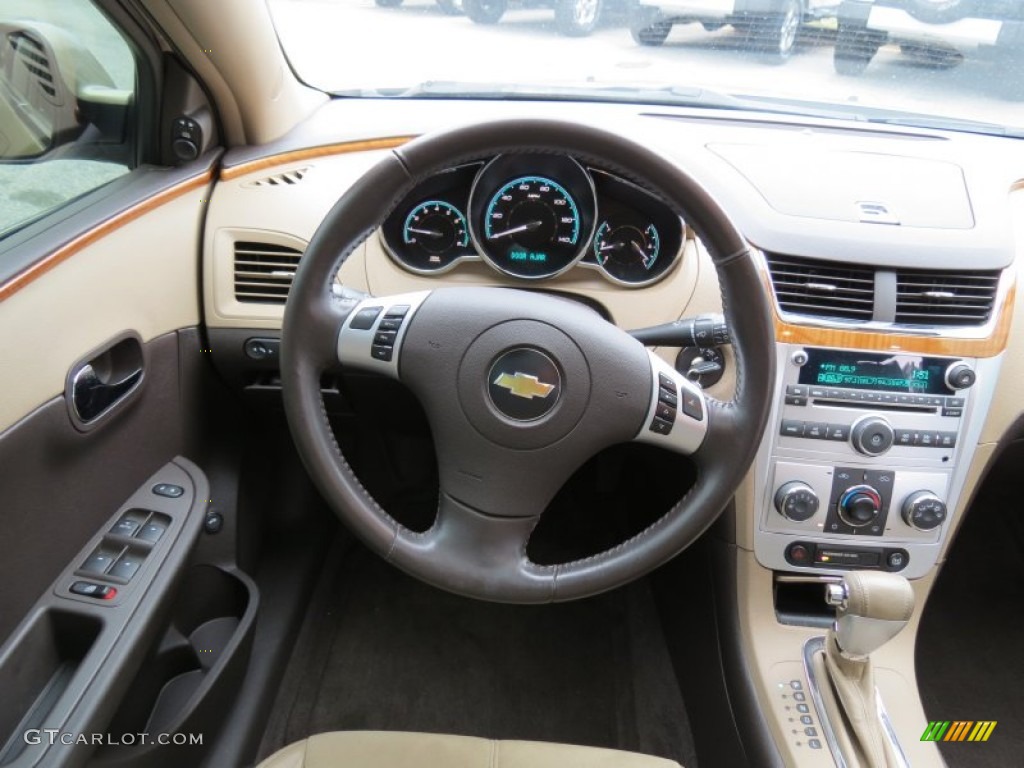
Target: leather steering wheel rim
{"x": 469, "y": 551}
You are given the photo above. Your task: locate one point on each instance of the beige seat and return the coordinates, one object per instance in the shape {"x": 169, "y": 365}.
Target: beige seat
{"x": 394, "y": 749}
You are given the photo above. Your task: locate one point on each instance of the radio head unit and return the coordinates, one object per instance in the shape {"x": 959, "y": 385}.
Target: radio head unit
{"x": 885, "y": 372}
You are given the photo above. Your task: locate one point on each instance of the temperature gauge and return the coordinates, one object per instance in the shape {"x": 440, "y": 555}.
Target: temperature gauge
{"x": 628, "y": 251}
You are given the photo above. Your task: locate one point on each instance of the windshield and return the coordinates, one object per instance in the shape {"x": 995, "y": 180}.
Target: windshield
{"x": 938, "y": 63}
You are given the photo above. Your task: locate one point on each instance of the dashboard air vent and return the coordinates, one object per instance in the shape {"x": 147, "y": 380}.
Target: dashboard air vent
{"x": 285, "y": 179}
{"x": 925, "y": 297}
{"x": 30, "y": 53}
{"x": 822, "y": 288}
{"x": 264, "y": 272}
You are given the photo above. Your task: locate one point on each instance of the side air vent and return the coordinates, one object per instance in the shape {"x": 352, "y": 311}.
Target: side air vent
{"x": 264, "y": 272}
{"x": 30, "y": 53}
{"x": 925, "y": 297}
{"x": 822, "y": 289}
{"x": 280, "y": 179}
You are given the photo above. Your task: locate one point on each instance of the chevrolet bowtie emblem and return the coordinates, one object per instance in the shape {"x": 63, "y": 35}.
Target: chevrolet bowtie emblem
{"x": 524, "y": 385}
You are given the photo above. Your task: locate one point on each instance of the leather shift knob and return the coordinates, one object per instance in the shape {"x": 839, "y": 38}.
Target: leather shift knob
{"x": 874, "y": 607}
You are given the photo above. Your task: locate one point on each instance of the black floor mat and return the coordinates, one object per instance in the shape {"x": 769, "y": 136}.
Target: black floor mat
{"x": 381, "y": 650}
{"x": 970, "y": 651}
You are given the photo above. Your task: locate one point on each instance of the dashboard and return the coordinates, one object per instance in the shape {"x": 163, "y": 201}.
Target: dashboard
{"x": 534, "y": 217}
{"x": 876, "y": 437}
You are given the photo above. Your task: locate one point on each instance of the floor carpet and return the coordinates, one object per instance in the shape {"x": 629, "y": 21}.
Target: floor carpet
{"x": 970, "y": 651}
{"x": 380, "y": 650}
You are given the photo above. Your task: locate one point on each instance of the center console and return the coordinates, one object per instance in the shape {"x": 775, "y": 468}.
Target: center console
{"x": 865, "y": 456}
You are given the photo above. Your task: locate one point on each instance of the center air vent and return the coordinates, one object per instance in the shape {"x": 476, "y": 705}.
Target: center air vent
{"x": 822, "y": 289}
{"x": 264, "y": 272}
{"x": 925, "y": 297}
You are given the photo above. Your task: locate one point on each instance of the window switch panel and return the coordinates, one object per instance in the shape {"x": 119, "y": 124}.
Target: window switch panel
{"x": 126, "y": 566}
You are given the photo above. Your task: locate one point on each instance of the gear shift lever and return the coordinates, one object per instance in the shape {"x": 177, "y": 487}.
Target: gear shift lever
{"x": 873, "y": 606}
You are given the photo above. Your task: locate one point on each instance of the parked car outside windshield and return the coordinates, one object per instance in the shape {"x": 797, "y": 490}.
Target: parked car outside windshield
{"x": 711, "y": 51}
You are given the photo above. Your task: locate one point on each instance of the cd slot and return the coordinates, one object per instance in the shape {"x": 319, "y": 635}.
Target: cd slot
{"x": 825, "y": 403}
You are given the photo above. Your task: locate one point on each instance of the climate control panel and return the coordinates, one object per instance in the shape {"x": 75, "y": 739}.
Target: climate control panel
{"x": 856, "y": 502}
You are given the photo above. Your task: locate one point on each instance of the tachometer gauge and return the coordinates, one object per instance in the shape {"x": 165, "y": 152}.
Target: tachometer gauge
{"x": 434, "y": 233}
{"x": 536, "y": 223}
{"x": 627, "y": 252}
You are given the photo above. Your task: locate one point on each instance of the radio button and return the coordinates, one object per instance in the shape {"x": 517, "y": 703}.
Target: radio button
{"x": 955, "y": 402}
{"x": 904, "y": 437}
{"x": 888, "y": 397}
{"x": 955, "y": 413}
{"x": 836, "y": 394}
{"x": 925, "y": 439}
{"x": 872, "y": 397}
{"x": 792, "y": 428}
{"x": 796, "y": 389}
{"x": 922, "y": 400}
{"x": 946, "y": 439}
{"x": 795, "y": 400}
{"x": 839, "y": 432}
{"x": 818, "y": 392}
{"x": 872, "y": 436}
{"x": 815, "y": 431}
{"x": 853, "y": 395}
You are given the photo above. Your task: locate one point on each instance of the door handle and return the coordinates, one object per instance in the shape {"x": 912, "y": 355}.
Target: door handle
{"x": 104, "y": 379}
{"x": 90, "y": 396}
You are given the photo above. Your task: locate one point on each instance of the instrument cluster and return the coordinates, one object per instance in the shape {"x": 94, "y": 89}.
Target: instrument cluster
{"x": 534, "y": 217}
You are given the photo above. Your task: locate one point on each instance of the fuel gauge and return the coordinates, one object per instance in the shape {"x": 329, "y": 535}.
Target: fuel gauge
{"x": 627, "y": 251}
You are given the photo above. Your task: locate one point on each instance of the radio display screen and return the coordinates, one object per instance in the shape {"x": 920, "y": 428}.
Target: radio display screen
{"x": 897, "y": 372}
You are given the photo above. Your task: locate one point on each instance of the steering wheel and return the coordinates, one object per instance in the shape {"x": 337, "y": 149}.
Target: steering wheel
{"x": 520, "y": 388}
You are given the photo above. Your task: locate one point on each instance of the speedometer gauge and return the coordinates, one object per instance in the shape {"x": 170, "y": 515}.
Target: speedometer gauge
{"x": 534, "y": 224}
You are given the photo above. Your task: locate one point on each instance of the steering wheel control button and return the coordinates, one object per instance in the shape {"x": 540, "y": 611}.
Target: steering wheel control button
{"x": 524, "y": 384}
{"x": 168, "y": 490}
{"x": 660, "y": 426}
{"x": 364, "y": 319}
{"x": 398, "y": 310}
{"x": 796, "y": 501}
{"x": 692, "y": 405}
{"x": 95, "y": 591}
{"x": 384, "y": 338}
{"x": 872, "y": 436}
{"x": 665, "y": 412}
{"x": 383, "y": 353}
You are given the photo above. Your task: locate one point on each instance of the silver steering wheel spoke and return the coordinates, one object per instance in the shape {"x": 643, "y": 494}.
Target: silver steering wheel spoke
{"x": 677, "y": 415}
{"x": 371, "y": 337}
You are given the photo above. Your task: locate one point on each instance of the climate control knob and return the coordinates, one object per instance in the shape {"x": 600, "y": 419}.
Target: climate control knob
{"x": 960, "y": 376}
{"x": 872, "y": 435}
{"x": 796, "y": 501}
{"x": 860, "y": 506}
{"x": 924, "y": 511}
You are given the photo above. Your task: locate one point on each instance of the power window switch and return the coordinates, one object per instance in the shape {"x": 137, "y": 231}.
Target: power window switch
{"x": 126, "y": 566}
{"x": 151, "y": 532}
{"x": 99, "y": 561}
{"x": 96, "y": 591}
{"x": 125, "y": 527}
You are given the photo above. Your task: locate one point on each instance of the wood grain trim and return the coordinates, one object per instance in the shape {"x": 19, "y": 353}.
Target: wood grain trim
{"x": 66, "y": 251}
{"x": 990, "y": 346}
{"x": 298, "y": 155}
